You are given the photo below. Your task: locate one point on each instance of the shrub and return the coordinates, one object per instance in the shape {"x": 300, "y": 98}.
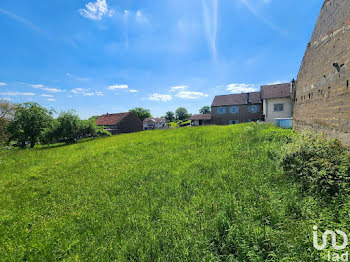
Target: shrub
{"x": 322, "y": 166}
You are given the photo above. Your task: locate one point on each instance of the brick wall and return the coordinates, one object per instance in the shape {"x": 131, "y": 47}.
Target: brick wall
{"x": 322, "y": 98}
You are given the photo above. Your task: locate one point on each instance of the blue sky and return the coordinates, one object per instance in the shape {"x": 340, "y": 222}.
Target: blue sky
{"x": 99, "y": 56}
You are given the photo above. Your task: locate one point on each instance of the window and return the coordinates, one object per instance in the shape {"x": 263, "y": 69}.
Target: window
{"x": 233, "y": 122}
{"x": 221, "y": 110}
{"x": 254, "y": 109}
{"x": 278, "y": 108}
{"x": 234, "y": 109}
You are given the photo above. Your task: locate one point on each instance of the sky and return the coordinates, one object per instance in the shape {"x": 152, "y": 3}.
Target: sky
{"x": 109, "y": 56}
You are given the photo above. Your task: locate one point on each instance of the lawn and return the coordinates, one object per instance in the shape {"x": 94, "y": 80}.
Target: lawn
{"x": 190, "y": 194}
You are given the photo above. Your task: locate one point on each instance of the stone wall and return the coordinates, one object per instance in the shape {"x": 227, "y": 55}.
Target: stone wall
{"x": 322, "y": 97}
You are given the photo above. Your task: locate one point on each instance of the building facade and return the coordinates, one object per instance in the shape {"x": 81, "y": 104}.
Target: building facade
{"x": 154, "y": 123}
{"x": 200, "y": 120}
{"x": 236, "y": 108}
{"x": 322, "y": 93}
{"x": 120, "y": 123}
{"x": 277, "y": 101}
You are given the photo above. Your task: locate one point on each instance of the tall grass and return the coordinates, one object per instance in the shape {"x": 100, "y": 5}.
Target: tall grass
{"x": 193, "y": 194}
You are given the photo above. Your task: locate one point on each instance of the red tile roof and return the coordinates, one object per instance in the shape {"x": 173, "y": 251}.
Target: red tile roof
{"x": 201, "y": 117}
{"x": 237, "y": 99}
{"x": 111, "y": 119}
{"x": 275, "y": 91}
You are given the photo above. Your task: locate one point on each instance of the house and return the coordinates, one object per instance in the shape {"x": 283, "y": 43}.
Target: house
{"x": 154, "y": 123}
{"x": 200, "y": 120}
{"x": 236, "y": 108}
{"x": 277, "y": 101}
{"x": 120, "y": 123}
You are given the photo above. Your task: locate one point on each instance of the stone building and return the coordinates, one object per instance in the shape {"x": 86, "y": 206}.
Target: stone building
{"x": 236, "y": 108}
{"x": 120, "y": 123}
{"x": 322, "y": 91}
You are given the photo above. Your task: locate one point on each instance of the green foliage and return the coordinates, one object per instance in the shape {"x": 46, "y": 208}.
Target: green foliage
{"x": 170, "y": 116}
{"x": 69, "y": 128}
{"x": 141, "y": 113}
{"x": 181, "y": 114}
{"x": 322, "y": 166}
{"x": 7, "y": 111}
{"x": 29, "y": 123}
{"x": 205, "y": 110}
{"x": 189, "y": 194}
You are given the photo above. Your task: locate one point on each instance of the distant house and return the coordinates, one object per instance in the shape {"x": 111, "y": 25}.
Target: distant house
{"x": 277, "y": 101}
{"x": 200, "y": 120}
{"x": 236, "y": 108}
{"x": 154, "y": 123}
{"x": 120, "y": 123}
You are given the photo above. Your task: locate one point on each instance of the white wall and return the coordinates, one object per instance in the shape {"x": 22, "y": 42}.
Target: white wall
{"x": 268, "y": 108}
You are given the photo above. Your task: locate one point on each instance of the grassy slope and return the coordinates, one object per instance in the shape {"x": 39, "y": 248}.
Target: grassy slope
{"x": 209, "y": 193}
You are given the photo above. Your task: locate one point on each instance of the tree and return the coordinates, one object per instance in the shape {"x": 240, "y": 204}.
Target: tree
{"x": 7, "y": 112}
{"x": 170, "y": 116}
{"x": 205, "y": 110}
{"x": 29, "y": 123}
{"x": 68, "y": 127}
{"x": 141, "y": 113}
{"x": 182, "y": 114}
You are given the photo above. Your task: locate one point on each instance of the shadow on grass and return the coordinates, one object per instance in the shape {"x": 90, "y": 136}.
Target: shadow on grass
{"x": 58, "y": 145}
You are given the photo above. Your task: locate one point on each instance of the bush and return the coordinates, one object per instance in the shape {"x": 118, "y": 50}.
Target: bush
{"x": 322, "y": 166}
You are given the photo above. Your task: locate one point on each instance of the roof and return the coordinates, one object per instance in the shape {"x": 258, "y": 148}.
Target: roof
{"x": 111, "y": 119}
{"x": 156, "y": 120}
{"x": 237, "y": 99}
{"x": 200, "y": 117}
{"x": 275, "y": 91}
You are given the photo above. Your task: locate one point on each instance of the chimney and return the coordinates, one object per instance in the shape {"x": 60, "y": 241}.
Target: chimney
{"x": 248, "y": 98}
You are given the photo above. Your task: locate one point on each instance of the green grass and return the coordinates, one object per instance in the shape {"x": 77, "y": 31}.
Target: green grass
{"x": 191, "y": 194}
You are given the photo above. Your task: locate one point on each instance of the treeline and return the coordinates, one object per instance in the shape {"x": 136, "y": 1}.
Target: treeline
{"x": 30, "y": 123}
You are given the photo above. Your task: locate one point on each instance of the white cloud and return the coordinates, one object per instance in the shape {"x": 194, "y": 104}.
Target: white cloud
{"x": 211, "y": 24}
{"x": 190, "y": 95}
{"x": 133, "y": 91}
{"x": 17, "y": 94}
{"x": 46, "y": 95}
{"x": 160, "y": 97}
{"x": 141, "y": 18}
{"x": 254, "y": 10}
{"x": 21, "y": 20}
{"x": 2, "y": 84}
{"x": 86, "y": 92}
{"x": 177, "y": 88}
{"x": 77, "y": 78}
{"x": 79, "y": 90}
{"x": 47, "y": 89}
{"x": 114, "y": 87}
{"x": 241, "y": 88}
{"x": 96, "y": 10}
{"x": 51, "y": 100}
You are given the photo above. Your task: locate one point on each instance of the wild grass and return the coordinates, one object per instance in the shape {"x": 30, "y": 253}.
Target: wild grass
{"x": 191, "y": 194}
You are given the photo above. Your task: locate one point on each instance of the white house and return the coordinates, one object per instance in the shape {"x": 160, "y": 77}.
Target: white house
{"x": 277, "y": 101}
{"x": 154, "y": 123}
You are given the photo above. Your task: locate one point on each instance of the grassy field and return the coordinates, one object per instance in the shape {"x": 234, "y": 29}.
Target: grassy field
{"x": 190, "y": 194}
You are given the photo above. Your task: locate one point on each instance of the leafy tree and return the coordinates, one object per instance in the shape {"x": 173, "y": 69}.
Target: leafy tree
{"x": 170, "y": 116}
{"x": 182, "y": 114}
{"x": 68, "y": 127}
{"x": 7, "y": 112}
{"x": 29, "y": 123}
{"x": 141, "y": 113}
{"x": 205, "y": 110}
